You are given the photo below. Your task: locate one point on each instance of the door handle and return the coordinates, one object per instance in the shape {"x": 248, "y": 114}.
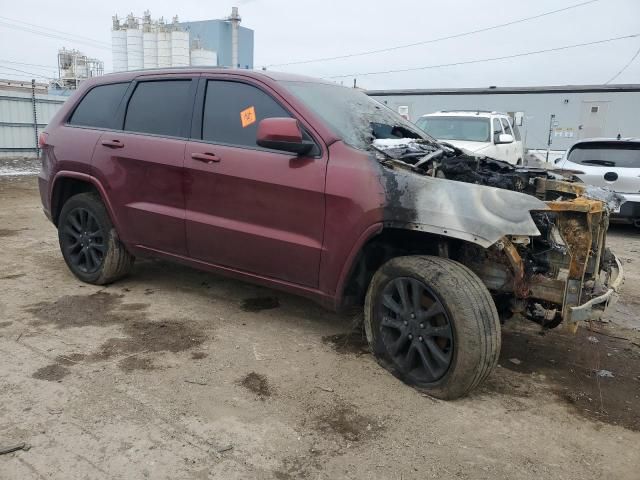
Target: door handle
{"x": 113, "y": 143}
{"x": 205, "y": 157}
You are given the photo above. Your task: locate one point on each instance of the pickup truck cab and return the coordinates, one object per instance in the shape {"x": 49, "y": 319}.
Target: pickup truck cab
{"x": 317, "y": 189}
{"x": 491, "y": 134}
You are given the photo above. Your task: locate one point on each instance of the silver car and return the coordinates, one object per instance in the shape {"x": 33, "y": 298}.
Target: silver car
{"x": 612, "y": 163}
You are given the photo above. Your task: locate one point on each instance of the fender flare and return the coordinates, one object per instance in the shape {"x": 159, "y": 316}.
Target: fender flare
{"x": 62, "y": 174}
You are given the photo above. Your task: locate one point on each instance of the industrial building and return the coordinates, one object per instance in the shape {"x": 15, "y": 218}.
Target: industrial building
{"x": 74, "y": 67}
{"x": 146, "y": 43}
{"x": 580, "y": 111}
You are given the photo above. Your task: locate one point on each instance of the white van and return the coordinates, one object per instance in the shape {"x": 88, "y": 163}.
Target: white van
{"x": 490, "y": 134}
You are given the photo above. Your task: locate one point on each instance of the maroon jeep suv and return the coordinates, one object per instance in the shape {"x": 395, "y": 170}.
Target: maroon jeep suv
{"x": 317, "y": 189}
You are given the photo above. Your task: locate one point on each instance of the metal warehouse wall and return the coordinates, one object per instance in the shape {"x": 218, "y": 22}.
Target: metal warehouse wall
{"x": 581, "y": 111}
{"x": 216, "y": 35}
{"x": 17, "y": 129}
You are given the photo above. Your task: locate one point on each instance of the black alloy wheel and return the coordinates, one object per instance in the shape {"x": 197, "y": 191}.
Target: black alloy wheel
{"x": 83, "y": 240}
{"x": 416, "y": 329}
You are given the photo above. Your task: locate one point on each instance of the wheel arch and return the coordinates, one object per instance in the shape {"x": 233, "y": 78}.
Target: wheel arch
{"x": 379, "y": 246}
{"x": 66, "y": 184}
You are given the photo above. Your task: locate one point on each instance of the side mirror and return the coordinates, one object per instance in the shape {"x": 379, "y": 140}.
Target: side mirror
{"x": 503, "y": 138}
{"x": 557, "y": 160}
{"x": 282, "y": 134}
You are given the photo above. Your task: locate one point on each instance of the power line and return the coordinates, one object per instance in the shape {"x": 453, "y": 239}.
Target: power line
{"x": 38, "y": 75}
{"x": 11, "y": 62}
{"x": 434, "y": 40}
{"x": 52, "y": 30}
{"x": 491, "y": 59}
{"x": 624, "y": 68}
{"x": 52, "y": 35}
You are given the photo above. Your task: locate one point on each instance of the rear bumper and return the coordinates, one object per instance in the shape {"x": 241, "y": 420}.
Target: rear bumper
{"x": 595, "y": 308}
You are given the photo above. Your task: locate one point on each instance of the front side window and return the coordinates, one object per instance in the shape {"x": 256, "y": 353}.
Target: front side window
{"x": 232, "y": 111}
{"x": 98, "y": 107}
{"x": 470, "y": 129}
{"x": 160, "y": 107}
{"x": 506, "y": 126}
{"x": 497, "y": 128}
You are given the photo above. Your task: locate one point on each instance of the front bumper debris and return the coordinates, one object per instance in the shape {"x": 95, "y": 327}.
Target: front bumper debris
{"x": 595, "y": 308}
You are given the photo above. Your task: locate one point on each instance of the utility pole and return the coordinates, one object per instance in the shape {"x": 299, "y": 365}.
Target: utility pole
{"x": 551, "y": 122}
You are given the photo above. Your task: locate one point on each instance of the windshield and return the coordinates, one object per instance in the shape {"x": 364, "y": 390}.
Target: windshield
{"x": 606, "y": 154}
{"x": 456, "y": 128}
{"x": 352, "y": 115}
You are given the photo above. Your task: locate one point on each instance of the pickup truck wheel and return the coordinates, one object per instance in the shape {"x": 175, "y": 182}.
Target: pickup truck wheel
{"x": 89, "y": 242}
{"x": 433, "y": 324}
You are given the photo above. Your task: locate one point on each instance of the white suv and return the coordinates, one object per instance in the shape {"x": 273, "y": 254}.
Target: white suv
{"x": 489, "y": 134}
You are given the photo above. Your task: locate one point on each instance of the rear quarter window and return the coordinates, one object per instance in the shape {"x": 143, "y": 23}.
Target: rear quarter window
{"x": 98, "y": 107}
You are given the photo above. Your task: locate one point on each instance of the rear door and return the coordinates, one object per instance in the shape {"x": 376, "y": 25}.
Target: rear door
{"x": 249, "y": 208}
{"x": 141, "y": 163}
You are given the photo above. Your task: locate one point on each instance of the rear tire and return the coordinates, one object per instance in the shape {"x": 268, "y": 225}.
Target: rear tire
{"x": 89, "y": 242}
{"x": 432, "y": 323}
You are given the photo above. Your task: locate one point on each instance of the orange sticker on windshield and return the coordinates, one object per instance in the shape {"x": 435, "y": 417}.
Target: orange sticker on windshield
{"x": 248, "y": 116}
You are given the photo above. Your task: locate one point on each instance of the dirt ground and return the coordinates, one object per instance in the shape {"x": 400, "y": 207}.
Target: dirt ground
{"x": 179, "y": 374}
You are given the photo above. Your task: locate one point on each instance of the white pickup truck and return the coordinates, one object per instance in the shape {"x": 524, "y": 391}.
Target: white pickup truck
{"x": 490, "y": 134}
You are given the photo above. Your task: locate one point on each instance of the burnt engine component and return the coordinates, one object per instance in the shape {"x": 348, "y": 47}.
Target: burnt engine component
{"x": 446, "y": 161}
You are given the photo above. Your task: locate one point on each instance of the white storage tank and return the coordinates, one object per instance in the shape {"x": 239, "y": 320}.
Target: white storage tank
{"x": 119, "y": 50}
{"x": 179, "y": 48}
{"x": 135, "y": 53}
{"x": 164, "y": 49}
{"x": 150, "y": 47}
{"x": 203, "y": 57}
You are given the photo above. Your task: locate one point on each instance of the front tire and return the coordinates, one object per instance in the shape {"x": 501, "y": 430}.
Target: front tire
{"x": 89, "y": 242}
{"x": 432, "y": 323}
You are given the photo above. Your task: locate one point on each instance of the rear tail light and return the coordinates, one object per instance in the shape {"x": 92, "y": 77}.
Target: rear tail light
{"x": 42, "y": 139}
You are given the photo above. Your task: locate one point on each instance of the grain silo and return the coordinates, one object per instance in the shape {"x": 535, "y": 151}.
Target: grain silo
{"x": 149, "y": 42}
{"x": 141, "y": 42}
{"x": 118, "y": 46}
{"x": 135, "y": 54}
{"x": 179, "y": 45}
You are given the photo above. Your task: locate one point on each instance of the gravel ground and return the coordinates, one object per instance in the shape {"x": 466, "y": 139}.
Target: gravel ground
{"x": 179, "y": 374}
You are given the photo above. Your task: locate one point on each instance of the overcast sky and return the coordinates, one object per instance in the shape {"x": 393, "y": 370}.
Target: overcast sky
{"x": 287, "y": 30}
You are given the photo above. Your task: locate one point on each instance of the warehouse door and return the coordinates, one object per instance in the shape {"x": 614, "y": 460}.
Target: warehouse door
{"x": 593, "y": 119}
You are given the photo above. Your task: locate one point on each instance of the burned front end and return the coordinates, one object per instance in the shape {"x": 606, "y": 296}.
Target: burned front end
{"x": 536, "y": 238}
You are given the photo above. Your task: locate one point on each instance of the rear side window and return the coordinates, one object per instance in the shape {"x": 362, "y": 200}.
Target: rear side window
{"x": 606, "y": 154}
{"x": 233, "y": 110}
{"x": 98, "y": 107}
{"x": 160, "y": 107}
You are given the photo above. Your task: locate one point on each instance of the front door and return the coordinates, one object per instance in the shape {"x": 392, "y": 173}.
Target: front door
{"x": 248, "y": 208}
{"x": 502, "y": 150}
{"x": 141, "y": 165}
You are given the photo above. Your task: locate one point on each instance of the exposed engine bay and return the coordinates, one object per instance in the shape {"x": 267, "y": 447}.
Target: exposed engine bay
{"x": 565, "y": 273}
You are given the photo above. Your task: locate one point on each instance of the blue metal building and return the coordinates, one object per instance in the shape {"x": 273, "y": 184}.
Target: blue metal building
{"x": 216, "y": 35}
